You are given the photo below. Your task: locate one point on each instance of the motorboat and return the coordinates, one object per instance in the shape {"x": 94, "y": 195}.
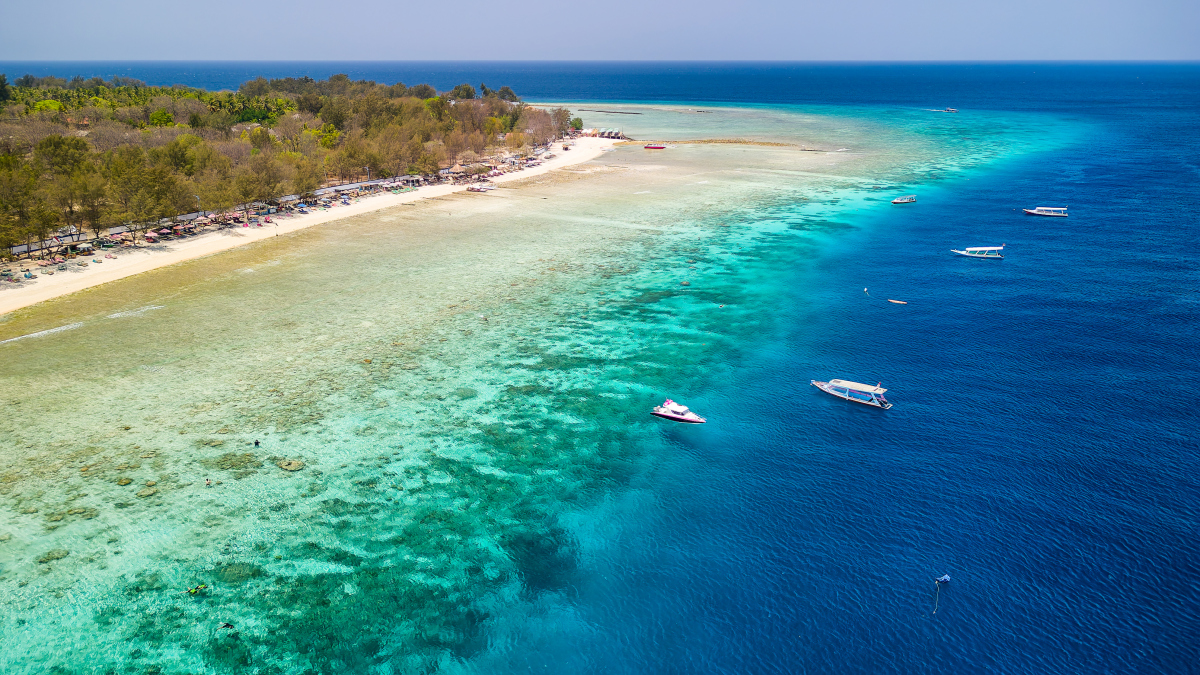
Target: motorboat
{"x": 1052, "y": 211}
{"x": 989, "y": 252}
{"x": 854, "y": 391}
{"x": 907, "y": 199}
{"x": 654, "y": 146}
{"x": 677, "y": 412}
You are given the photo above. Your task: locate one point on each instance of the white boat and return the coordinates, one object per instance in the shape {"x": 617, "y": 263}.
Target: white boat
{"x": 854, "y": 391}
{"x": 907, "y": 199}
{"x": 677, "y": 412}
{"x": 989, "y": 252}
{"x": 1052, "y": 211}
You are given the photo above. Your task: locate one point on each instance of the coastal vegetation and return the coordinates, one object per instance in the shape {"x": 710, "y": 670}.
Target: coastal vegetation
{"x": 91, "y": 154}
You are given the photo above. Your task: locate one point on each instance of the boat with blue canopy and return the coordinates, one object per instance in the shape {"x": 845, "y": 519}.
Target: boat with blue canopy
{"x": 854, "y": 391}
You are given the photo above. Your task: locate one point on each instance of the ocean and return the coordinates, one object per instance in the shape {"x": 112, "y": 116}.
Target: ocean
{"x": 467, "y": 382}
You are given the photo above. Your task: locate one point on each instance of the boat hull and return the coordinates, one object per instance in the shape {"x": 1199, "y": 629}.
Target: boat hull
{"x": 980, "y": 257}
{"x": 654, "y": 147}
{"x": 678, "y": 418}
{"x": 1047, "y": 215}
{"x": 824, "y": 386}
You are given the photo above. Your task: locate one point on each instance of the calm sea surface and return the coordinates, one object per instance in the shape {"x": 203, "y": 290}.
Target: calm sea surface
{"x": 1041, "y": 450}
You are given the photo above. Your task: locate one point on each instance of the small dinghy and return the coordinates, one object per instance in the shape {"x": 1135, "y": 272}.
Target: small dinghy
{"x": 676, "y": 412}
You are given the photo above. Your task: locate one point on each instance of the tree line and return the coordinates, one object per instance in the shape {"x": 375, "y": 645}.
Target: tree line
{"x": 91, "y": 154}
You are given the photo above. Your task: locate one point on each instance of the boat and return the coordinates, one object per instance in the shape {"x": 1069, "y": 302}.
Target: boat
{"x": 677, "y": 412}
{"x": 898, "y": 302}
{"x": 476, "y": 188}
{"x": 654, "y": 146}
{"x": 1052, "y": 211}
{"x": 907, "y": 199}
{"x": 989, "y": 252}
{"x": 854, "y": 391}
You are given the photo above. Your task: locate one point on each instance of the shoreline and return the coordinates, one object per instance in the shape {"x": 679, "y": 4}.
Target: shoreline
{"x": 131, "y": 262}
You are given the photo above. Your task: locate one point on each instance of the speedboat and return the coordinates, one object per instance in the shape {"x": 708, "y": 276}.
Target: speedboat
{"x": 907, "y": 199}
{"x": 854, "y": 391}
{"x": 1052, "y": 211}
{"x": 989, "y": 252}
{"x": 676, "y": 412}
{"x": 654, "y": 146}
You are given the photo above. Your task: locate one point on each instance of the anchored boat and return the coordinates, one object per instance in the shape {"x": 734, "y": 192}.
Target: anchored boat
{"x": 989, "y": 252}
{"x": 1052, "y": 211}
{"x": 654, "y": 146}
{"x": 854, "y": 391}
{"x": 677, "y": 412}
{"x": 907, "y": 199}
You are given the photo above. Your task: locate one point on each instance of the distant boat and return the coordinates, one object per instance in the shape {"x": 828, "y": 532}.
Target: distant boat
{"x": 907, "y": 199}
{"x": 854, "y": 391}
{"x": 677, "y": 412}
{"x": 654, "y": 146}
{"x": 1052, "y": 211}
{"x": 989, "y": 252}
{"x": 898, "y": 302}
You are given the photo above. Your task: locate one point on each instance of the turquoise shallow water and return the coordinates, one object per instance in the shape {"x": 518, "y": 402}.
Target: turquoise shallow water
{"x": 465, "y": 382}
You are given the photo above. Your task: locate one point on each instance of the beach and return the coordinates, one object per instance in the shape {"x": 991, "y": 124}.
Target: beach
{"x": 130, "y": 261}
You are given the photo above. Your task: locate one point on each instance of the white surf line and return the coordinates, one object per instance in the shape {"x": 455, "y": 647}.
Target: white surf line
{"x": 134, "y": 312}
{"x": 43, "y": 332}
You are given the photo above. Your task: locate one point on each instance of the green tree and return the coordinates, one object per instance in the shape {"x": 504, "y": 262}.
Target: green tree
{"x": 463, "y": 91}
{"x": 507, "y": 94}
{"x": 307, "y": 178}
{"x": 422, "y": 91}
{"x": 161, "y": 118}
{"x": 5, "y": 92}
{"x": 336, "y": 111}
{"x": 90, "y": 188}
{"x": 577, "y": 123}
{"x": 61, "y": 155}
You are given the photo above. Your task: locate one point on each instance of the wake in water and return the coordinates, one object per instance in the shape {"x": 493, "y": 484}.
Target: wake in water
{"x": 42, "y": 333}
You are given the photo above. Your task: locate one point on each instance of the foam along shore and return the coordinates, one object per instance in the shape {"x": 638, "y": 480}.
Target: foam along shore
{"x": 131, "y": 261}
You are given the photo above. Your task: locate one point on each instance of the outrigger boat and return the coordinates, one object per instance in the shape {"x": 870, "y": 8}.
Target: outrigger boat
{"x": 1052, "y": 211}
{"x": 677, "y": 412}
{"x": 989, "y": 252}
{"x": 907, "y": 199}
{"x": 854, "y": 391}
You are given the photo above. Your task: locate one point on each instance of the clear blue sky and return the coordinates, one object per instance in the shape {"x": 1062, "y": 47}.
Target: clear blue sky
{"x": 873, "y": 30}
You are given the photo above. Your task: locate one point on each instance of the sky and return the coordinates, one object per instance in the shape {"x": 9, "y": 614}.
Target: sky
{"x": 788, "y": 30}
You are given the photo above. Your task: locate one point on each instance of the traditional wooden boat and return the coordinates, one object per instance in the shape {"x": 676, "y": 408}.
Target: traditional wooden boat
{"x": 907, "y": 199}
{"x": 1052, "y": 211}
{"x": 854, "y": 391}
{"x": 989, "y": 252}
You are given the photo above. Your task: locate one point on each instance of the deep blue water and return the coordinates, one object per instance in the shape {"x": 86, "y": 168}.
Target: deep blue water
{"x": 1042, "y": 449}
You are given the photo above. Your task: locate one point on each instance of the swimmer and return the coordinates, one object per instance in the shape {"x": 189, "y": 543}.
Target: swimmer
{"x": 226, "y": 625}
{"x": 207, "y": 482}
{"x": 197, "y": 589}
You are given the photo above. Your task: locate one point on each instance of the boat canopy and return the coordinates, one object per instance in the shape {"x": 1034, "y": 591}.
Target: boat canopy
{"x": 857, "y": 386}
{"x": 986, "y": 248}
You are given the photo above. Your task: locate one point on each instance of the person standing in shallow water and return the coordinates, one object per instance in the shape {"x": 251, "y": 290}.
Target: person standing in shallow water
{"x": 256, "y": 443}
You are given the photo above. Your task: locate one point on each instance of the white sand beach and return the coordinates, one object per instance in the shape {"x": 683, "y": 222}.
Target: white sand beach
{"x": 131, "y": 261}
